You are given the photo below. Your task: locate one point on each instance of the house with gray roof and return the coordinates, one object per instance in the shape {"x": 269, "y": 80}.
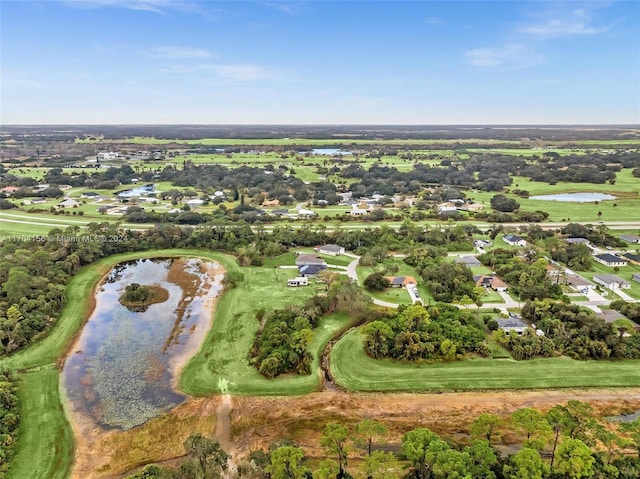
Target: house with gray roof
{"x": 512, "y": 324}
{"x": 630, "y": 238}
{"x": 467, "y": 260}
{"x": 308, "y": 259}
{"x": 611, "y": 281}
{"x": 330, "y": 249}
{"x": 514, "y": 240}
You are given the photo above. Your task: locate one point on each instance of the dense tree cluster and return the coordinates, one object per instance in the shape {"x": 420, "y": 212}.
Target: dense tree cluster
{"x": 630, "y": 310}
{"x": 9, "y": 418}
{"x": 597, "y": 235}
{"x": 572, "y": 331}
{"x": 414, "y": 333}
{"x": 281, "y": 344}
{"x": 526, "y": 274}
{"x": 575, "y": 255}
{"x": 447, "y": 282}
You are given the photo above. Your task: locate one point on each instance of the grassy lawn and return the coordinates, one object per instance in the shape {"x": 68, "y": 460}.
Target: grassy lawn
{"x": 45, "y": 443}
{"x": 225, "y": 350}
{"x": 356, "y": 371}
{"x": 626, "y": 188}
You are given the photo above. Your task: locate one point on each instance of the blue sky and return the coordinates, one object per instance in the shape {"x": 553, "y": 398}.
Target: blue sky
{"x": 319, "y": 62}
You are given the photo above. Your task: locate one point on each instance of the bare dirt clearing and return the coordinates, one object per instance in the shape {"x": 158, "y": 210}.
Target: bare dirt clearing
{"x": 256, "y": 421}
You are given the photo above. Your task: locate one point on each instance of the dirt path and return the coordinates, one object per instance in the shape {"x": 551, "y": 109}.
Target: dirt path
{"x": 246, "y": 423}
{"x": 223, "y": 432}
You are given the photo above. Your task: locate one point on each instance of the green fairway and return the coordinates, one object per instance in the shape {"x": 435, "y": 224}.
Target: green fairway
{"x": 356, "y": 371}
{"x": 45, "y": 443}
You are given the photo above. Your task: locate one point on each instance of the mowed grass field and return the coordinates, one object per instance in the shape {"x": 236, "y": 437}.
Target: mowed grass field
{"x": 45, "y": 443}
{"x": 626, "y": 189}
{"x": 354, "y": 370}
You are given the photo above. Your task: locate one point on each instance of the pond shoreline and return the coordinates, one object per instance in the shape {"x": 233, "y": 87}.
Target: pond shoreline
{"x": 87, "y": 431}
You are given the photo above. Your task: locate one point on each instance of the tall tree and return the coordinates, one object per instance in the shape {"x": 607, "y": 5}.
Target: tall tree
{"x": 334, "y": 441}
{"x": 286, "y": 463}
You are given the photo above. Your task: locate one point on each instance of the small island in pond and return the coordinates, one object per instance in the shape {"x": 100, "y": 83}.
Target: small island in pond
{"x": 138, "y": 298}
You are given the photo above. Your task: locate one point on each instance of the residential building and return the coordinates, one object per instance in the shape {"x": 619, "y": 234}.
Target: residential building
{"x": 358, "y": 212}
{"x": 577, "y": 241}
{"x": 512, "y": 324}
{"x": 636, "y": 277}
{"x": 490, "y": 281}
{"x": 330, "y": 249}
{"x": 632, "y": 258}
{"x": 578, "y": 282}
{"x": 401, "y": 281}
{"x": 610, "y": 260}
{"x": 630, "y": 238}
{"x": 307, "y": 259}
{"x": 69, "y": 203}
{"x": 310, "y": 270}
{"x": 298, "y": 281}
{"x": 468, "y": 261}
{"x": 611, "y": 281}
{"x": 514, "y": 240}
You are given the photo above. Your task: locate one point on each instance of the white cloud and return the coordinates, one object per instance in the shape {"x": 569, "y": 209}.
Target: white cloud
{"x": 559, "y": 22}
{"x": 280, "y": 6}
{"x": 237, "y": 72}
{"x": 155, "y": 6}
{"x": 242, "y": 72}
{"x": 513, "y": 56}
{"x": 562, "y": 28}
{"x": 177, "y": 53}
{"x": 434, "y": 21}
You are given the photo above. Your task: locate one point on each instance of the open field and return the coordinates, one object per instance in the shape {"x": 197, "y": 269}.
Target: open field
{"x": 45, "y": 443}
{"x": 356, "y": 371}
{"x": 625, "y": 188}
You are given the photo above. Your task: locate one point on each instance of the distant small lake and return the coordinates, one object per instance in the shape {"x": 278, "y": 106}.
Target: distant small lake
{"x": 121, "y": 371}
{"x": 575, "y": 197}
{"x": 330, "y": 151}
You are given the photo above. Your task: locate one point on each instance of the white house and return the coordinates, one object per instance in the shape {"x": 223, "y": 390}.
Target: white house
{"x": 330, "y": 249}
{"x": 611, "y": 281}
{"x": 610, "y": 260}
{"x": 69, "y": 203}
{"x": 298, "y": 281}
{"x": 195, "y": 202}
{"x": 514, "y": 240}
{"x": 358, "y": 212}
{"x": 107, "y": 155}
{"x": 305, "y": 212}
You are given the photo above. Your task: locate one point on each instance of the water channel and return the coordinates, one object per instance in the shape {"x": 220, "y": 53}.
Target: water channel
{"x": 123, "y": 368}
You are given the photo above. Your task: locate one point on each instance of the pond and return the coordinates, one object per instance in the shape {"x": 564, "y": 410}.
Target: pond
{"x": 123, "y": 368}
{"x": 575, "y": 197}
{"x": 330, "y": 151}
